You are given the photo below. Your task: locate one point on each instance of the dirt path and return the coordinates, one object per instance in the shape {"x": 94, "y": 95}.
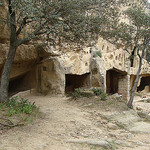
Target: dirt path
{"x": 72, "y": 125}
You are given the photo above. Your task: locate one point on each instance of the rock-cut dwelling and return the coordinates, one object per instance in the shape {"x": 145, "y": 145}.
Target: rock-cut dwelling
{"x": 58, "y": 71}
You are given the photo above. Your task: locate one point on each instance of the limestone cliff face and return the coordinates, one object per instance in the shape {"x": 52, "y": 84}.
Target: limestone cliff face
{"x": 51, "y": 77}
{"x": 76, "y": 62}
{"x": 54, "y": 70}
{"x": 4, "y": 32}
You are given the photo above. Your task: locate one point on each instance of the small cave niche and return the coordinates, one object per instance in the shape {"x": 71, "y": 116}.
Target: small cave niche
{"x": 76, "y": 81}
{"x": 22, "y": 83}
{"x": 113, "y": 82}
{"x": 145, "y": 81}
{"x": 15, "y": 85}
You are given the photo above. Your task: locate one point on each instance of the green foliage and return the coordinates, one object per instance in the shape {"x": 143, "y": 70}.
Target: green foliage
{"x": 62, "y": 21}
{"x": 77, "y": 93}
{"x": 114, "y": 146}
{"x": 100, "y": 92}
{"x": 2, "y": 106}
{"x": 17, "y": 106}
{"x": 99, "y": 53}
{"x": 132, "y": 33}
{"x": 1, "y": 3}
{"x": 97, "y": 91}
{"x": 103, "y": 96}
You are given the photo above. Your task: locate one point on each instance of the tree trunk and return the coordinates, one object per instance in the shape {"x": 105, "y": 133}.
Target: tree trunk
{"x": 136, "y": 81}
{"x": 6, "y": 74}
{"x": 11, "y": 54}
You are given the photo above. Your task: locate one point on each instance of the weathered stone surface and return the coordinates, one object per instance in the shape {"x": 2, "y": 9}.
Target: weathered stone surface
{"x": 97, "y": 73}
{"x": 25, "y": 58}
{"x": 51, "y": 77}
{"x": 130, "y": 121}
{"x": 4, "y": 32}
{"x": 140, "y": 127}
{"x": 24, "y": 53}
{"x": 96, "y": 142}
{"x": 76, "y": 62}
{"x": 126, "y": 118}
{"x": 112, "y": 126}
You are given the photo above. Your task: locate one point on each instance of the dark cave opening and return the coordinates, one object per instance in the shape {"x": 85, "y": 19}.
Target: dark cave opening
{"x": 145, "y": 81}
{"x": 76, "y": 81}
{"x": 23, "y": 82}
{"x": 17, "y": 85}
{"x": 112, "y": 81}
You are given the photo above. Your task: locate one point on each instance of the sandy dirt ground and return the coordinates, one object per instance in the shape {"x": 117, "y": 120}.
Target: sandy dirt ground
{"x": 69, "y": 124}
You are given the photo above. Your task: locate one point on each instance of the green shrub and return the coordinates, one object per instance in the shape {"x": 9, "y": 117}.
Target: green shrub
{"x": 77, "y": 93}
{"x": 17, "y": 106}
{"x": 99, "y": 53}
{"x": 97, "y": 91}
{"x": 103, "y": 96}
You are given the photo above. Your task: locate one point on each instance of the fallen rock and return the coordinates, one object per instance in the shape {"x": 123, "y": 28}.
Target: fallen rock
{"x": 139, "y": 108}
{"x": 104, "y": 122}
{"x": 116, "y": 96}
{"x": 112, "y": 135}
{"x": 112, "y": 126}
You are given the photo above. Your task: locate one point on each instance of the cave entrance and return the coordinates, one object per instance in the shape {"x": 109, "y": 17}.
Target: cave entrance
{"x": 112, "y": 79}
{"x": 76, "y": 81}
{"x": 144, "y": 84}
{"x": 15, "y": 85}
{"x": 116, "y": 81}
{"x": 22, "y": 83}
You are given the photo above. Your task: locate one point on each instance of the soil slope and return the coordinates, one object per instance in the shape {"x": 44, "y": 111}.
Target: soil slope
{"x": 82, "y": 124}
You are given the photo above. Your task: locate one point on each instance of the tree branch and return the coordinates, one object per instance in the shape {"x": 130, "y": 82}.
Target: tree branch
{"x": 24, "y": 22}
{"x": 33, "y": 35}
{"x": 9, "y": 123}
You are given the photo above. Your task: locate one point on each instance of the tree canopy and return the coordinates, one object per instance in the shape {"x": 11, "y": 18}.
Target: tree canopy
{"x": 132, "y": 33}
{"x": 133, "y": 30}
{"x": 71, "y": 21}
{"x": 66, "y": 20}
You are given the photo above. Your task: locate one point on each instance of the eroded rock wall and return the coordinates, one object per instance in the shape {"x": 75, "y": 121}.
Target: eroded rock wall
{"x": 4, "y": 31}
{"x": 76, "y": 62}
{"x": 51, "y": 77}
{"x": 48, "y": 67}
